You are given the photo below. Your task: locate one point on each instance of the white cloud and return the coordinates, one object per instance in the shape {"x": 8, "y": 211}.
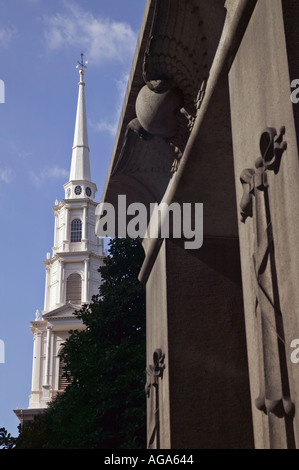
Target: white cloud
{"x": 24, "y": 154}
{"x": 102, "y": 39}
{"x": 6, "y": 175}
{"x": 105, "y": 126}
{"x": 6, "y": 35}
{"x": 111, "y": 127}
{"x": 55, "y": 172}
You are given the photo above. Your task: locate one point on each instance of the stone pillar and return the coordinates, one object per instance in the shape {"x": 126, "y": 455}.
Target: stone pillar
{"x": 267, "y": 186}
{"x": 198, "y": 390}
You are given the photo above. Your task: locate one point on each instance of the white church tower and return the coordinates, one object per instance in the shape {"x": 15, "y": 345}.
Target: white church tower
{"x": 72, "y": 276}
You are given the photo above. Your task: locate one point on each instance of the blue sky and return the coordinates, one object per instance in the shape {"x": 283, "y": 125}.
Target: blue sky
{"x": 40, "y": 43}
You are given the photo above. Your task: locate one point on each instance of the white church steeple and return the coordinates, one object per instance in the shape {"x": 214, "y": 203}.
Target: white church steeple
{"x": 72, "y": 276}
{"x": 80, "y": 167}
{"x": 79, "y": 184}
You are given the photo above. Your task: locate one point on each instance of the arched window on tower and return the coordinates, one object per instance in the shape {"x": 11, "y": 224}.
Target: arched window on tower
{"x": 76, "y": 230}
{"x": 74, "y": 288}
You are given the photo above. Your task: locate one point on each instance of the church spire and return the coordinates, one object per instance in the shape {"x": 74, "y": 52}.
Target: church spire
{"x": 79, "y": 185}
{"x": 80, "y": 166}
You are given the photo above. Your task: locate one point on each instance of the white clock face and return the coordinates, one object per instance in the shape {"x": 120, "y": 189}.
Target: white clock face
{"x": 78, "y": 190}
{"x": 88, "y": 192}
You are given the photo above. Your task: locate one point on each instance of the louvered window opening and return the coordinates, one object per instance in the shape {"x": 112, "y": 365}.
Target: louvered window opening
{"x": 63, "y": 382}
{"x": 74, "y": 288}
{"x": 76, "y": 230}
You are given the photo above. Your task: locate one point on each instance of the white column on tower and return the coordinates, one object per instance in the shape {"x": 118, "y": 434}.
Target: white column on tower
{"x": 60, "y": 282}
{"x": 66, "y": 228}
{"x": 46, "y": 300}
{"x": 86, "y": 280}
{"x": 36, "y": 367}
{"x": 48, "y": 355}
{"x": 55, "y": 229}
{"x": 84, "y": 234}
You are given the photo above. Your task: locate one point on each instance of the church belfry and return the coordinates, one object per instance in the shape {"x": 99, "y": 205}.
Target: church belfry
{"x": 72, "y": 276}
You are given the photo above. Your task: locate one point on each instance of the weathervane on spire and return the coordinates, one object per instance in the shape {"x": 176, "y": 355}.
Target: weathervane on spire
{"x": 82, "y": 64}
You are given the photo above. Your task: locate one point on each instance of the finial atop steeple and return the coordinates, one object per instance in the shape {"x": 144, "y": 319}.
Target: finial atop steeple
{"x": 82, "y": 64}
{"x": 80, "y": 158}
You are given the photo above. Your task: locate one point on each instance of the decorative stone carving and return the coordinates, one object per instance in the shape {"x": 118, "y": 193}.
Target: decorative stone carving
{"x": 274, "y": 395}
{"x": 136, "y": 127}
{"x": 155, "y": 370}
{"x": 157, "y": 112}
{"x": 272, "y": 147}
{"x": 175, "y": 72}
{"x": 173, "y": 54}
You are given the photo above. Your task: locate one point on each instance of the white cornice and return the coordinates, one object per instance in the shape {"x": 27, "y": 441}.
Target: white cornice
{"x": 75, "y": 202}
{"x": 73, "y": 254}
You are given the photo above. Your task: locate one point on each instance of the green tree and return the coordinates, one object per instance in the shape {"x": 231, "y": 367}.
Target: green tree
{"x": 6, "y": 439}
{"x": 104, "y": 403}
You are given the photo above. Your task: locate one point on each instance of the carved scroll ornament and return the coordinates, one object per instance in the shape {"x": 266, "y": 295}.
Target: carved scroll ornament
{"x": 155, "y": 370}
{"x": 274, "y": 391}
{"x": 272, "y": 147}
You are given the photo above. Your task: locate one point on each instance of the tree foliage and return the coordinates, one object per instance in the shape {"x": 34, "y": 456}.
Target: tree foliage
{"x": 104, "y": 404}
{"x": 6, "y": 439}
